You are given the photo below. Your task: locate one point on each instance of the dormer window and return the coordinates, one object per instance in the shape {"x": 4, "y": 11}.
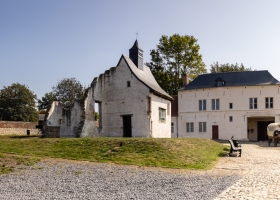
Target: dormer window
{"x": 220, "y": 82}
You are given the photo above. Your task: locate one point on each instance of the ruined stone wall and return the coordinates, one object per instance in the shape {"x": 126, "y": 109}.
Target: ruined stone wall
{"x": 89, "y": 128}
{"x": 63, "y": 123}
{"x": 52, "y": 131}
{"x": 70, "y": 121}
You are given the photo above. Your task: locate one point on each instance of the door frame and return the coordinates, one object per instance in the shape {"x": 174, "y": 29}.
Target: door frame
{"x": 215, "y": 126}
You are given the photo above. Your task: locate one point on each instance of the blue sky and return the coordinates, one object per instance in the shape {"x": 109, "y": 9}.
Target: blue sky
{"x": 42, "y": 42}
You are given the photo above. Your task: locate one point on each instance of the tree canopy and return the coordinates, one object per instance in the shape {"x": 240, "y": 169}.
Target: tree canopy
{"x": 221, "y": 68}
{"x": 175, "y": 56}
{"x": 67, "y": 91}
{"x": 46, "y": 100}
{"x": 17, "y": 103}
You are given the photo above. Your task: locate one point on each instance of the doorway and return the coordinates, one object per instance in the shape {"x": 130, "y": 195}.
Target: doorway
{"x": 262, "y": 132}
{"x": 127, "y": 132}
{"x": 215, "y": 132}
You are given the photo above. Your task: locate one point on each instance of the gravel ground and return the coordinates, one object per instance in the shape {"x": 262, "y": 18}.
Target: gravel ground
{"x": 83, "y": 180}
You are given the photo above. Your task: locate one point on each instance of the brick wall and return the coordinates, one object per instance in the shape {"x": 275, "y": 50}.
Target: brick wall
{"x": 18, "y": 128}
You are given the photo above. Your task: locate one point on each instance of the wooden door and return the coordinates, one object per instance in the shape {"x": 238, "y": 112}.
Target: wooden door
{"x": 215, "y": 132}
{"x": 127, "y": 126}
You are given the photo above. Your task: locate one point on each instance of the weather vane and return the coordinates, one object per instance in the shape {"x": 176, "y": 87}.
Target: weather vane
{"x": 136, "y": 35}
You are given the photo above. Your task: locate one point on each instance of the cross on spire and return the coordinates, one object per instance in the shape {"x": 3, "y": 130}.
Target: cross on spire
{"x": 136, "y": 35}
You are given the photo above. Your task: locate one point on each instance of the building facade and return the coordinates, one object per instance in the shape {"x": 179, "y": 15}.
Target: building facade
{"x": 221, "y": 105}
{"x": 129, "y": 101}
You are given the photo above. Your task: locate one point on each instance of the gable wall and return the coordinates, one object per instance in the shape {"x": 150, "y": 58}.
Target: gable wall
{"x": 118, "y": 100}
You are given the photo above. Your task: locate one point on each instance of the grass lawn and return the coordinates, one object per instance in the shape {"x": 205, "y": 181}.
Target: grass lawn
{"x": 191, "y": 153}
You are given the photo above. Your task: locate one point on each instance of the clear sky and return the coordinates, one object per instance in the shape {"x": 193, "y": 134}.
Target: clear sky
{"x": 42, "y": 42}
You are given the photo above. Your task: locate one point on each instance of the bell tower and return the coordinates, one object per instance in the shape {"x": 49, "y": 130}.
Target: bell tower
{"x": 136, "y": 55}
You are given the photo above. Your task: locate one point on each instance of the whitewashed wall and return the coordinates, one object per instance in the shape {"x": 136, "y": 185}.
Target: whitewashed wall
{"x": 70, "y": 124}
{"x": 55, "y": 113}
{"x": 160, "y": 129}
{"x": 239, "y": 96}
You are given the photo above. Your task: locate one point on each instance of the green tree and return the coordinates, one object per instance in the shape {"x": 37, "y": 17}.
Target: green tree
{"x": 17, "y": 103}
{"x": 96, "y": 116}
{"x": 221, "y": 68}
{"x": 175, "y": 56}
{"x": 46, "y": 100}
{"x": 67, "y": 91}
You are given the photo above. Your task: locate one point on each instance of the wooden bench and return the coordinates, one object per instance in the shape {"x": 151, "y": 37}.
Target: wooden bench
{"x": 235, "y": 147}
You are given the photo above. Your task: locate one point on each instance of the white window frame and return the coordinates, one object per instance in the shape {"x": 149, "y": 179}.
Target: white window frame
{"x": 162, "y": 114}
{"x": 202, "y": 127}
{"x": 253, "y": 103}
{"x": 268, "y": 102}
{"x": 215, "y": 104}
{"x": 202, "y": 105}
{"x": 189, "y": 127}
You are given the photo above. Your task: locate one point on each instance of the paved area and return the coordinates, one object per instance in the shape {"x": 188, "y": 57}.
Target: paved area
{"x": 261, "y": 167}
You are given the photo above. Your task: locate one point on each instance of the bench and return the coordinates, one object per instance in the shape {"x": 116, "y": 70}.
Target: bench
{"x": 234, "y": 146}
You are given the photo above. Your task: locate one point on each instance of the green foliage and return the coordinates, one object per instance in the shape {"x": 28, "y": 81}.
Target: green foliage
{"x": 174, "y": 57}
{"x": 46, "y": 100}
{"x": 17, "y": 103}
{"x": 96, "y": 116}
{"x": 67, "y": 91}
{"x": 221, "y": 68}
{"x": 191, "y": 153}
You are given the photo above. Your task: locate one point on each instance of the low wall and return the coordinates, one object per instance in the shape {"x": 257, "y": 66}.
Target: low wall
{"x": 18, "y": 128}
{"x": 18, "y": 124}
{"x": 17, "y": 131}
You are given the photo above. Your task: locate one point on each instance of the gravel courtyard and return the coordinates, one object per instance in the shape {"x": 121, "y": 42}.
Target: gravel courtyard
{"x": 60, "y": 179}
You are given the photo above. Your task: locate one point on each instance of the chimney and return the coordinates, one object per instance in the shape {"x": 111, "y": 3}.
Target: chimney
{"x": 185, "y": 80}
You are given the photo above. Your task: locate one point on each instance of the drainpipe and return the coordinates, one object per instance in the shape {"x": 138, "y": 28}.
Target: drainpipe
{"x": 177, "y": 127}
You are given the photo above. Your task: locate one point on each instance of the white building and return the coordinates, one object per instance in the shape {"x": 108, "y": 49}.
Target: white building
{"x": 130, "y": 104}
{"x": 221, "y": 105}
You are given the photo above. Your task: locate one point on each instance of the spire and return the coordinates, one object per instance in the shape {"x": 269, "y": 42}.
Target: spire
{"x": 136, "y": 45}
{"x": 136, "y": 55}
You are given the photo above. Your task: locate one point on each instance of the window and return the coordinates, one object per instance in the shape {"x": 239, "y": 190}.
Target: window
{"x": 230, "y": 106}
{"x": 202, "y": 104}
{"x": 230, "y": 118}
{"x": 172, "y": 127}
{"x": 149, "y": 105}
{"x": 253, "y": 103}
{"x": 189, "y": 127}
{"x": 202, "y": 126}
{"x": 215, "y": 104}
{"x": 220, "y": 83}
{"x": 162, "y": 114}
{"x": 128, "y": 83}
{"x": 269, "y": 102}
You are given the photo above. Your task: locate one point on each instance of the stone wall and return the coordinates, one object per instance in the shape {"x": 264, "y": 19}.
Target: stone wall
{"x": 18, "y": 128}
{"x": 18, "y": 124}
{"x": 52, "y": 131}
{"x": 18, "y": 131}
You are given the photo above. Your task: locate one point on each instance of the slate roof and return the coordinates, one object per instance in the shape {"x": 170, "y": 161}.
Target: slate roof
{"x": 147, "y": 78}
{"x": 136, "y": 45}
{"x": 248, "y": 78}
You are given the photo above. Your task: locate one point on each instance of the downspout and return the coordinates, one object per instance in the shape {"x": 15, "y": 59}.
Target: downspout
{"x": 177, "y": 127}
